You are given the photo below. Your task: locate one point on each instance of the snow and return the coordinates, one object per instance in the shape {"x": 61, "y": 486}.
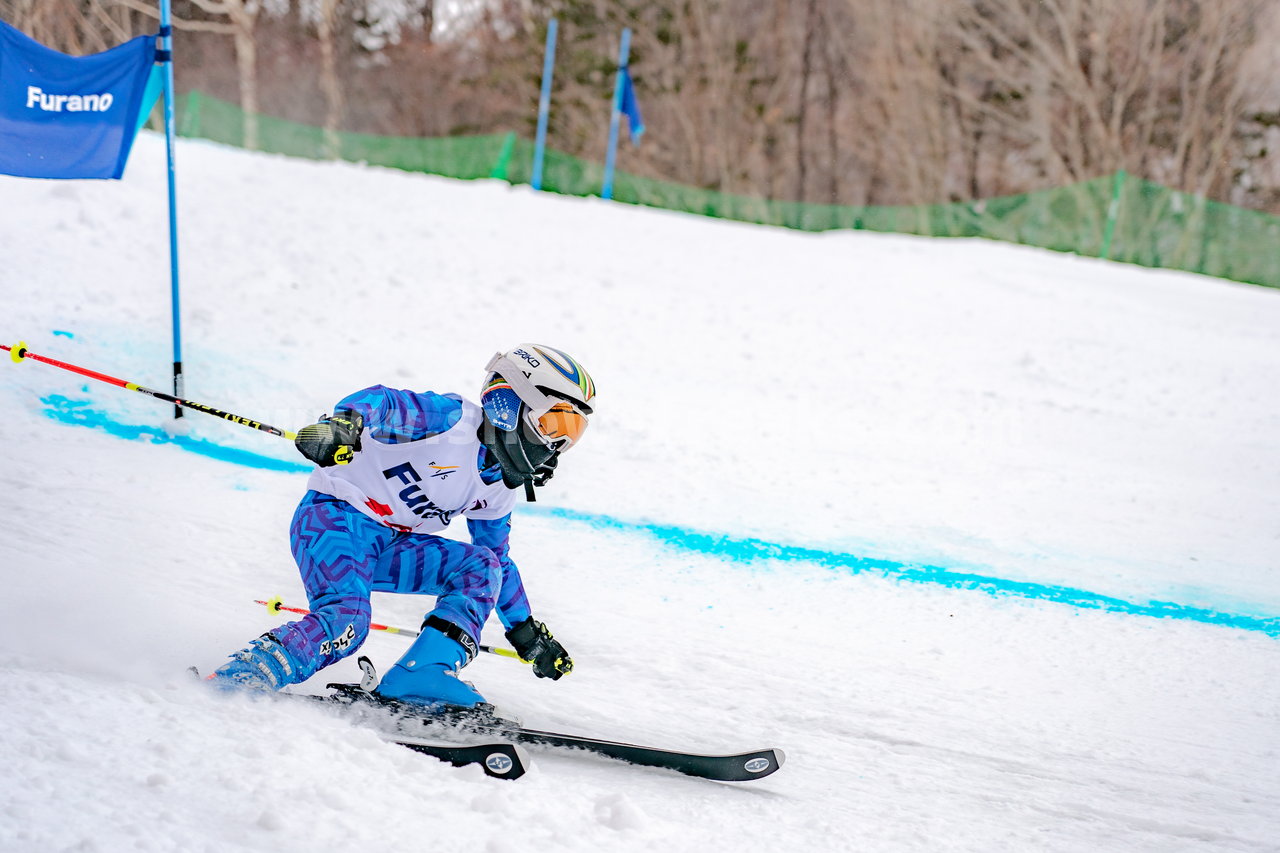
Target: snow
{"x": 835, "y": 494}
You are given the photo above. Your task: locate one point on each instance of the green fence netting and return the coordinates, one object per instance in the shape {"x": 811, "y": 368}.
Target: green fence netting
{"x": 1119, "y": 217}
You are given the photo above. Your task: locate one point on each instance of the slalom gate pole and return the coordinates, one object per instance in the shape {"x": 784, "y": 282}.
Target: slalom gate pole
{"x": 615, "y": 116}
{"x": 544, "y": 105}
{"x": 19, "y": 351}
{"x": 165, "y": 55}
{"x": 275, "y": 605}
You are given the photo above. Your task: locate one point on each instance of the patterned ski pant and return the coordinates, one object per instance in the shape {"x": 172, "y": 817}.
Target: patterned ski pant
{"x": 344, "y": 555}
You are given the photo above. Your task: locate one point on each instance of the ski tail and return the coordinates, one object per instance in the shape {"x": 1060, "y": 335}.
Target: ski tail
{"x": 499, "y": 760}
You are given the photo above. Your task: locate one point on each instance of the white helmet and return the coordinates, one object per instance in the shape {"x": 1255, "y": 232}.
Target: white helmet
{"x": 536, "y": 401}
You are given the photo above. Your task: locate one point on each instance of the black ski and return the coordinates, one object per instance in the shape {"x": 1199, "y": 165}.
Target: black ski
{"x": 499, "y": 760}
{"x": 504, "y": 759}
{"x": 738, "y": 767}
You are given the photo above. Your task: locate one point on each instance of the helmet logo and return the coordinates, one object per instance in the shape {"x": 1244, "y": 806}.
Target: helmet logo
{"x": 533, "y": 362}
{"x": 501, "y": 404}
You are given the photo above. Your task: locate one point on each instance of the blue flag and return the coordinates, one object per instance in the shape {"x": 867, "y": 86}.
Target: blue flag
{"x": 66, "y": 116}
{"x": 631, "y": 107}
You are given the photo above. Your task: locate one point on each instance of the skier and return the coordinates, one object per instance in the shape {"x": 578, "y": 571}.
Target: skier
{"x": 395, "y": 468}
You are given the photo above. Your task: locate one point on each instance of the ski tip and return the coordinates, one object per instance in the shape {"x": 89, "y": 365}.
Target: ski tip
{"x": 498, "y": 760}
{"x": 507, "y": 764}
{"x": 762, "y": 763}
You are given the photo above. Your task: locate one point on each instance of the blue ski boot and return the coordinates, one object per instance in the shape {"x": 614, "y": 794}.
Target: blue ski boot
{"x": 427, "y": 673}
{"x": 264, "y": 665}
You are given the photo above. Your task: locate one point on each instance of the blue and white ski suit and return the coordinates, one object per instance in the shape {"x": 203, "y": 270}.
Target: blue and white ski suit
{"x": 371, "y": 525}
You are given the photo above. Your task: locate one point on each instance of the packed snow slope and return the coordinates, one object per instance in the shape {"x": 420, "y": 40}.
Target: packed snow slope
{"x": 984, "y": 537}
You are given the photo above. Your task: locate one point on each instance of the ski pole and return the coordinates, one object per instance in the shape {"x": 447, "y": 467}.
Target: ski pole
{"x": 19, "y": 351}
{"x": 275, "y": 605}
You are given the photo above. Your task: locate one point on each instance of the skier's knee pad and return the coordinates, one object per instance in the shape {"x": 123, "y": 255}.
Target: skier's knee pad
{"x": 486, "y": 579}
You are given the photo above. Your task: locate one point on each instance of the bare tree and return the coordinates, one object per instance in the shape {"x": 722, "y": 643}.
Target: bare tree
{"x": 902, "y": 125}
{"x": 323, "y": 13}
{"x": 76, "y": 27}
{"x": 243, "y": 17}
{"x": 886, "y": 102}
{"x": 1099, "y": 86}
{"x": 806, "y": 72}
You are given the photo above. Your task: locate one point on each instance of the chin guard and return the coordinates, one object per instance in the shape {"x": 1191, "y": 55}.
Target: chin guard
{"x": 524, "y": 461}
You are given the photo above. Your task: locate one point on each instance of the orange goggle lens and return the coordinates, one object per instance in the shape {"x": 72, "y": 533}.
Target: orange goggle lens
{"x": 561, "y": 422}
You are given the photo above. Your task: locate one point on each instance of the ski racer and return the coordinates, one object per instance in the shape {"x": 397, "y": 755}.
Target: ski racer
{"x": 395, "y": 468}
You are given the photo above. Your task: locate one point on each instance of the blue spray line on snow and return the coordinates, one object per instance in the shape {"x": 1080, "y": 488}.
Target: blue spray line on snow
{"x": 721, "y": 546}
{"x": 77, "y": 413}
{"x": 739, "y": 549}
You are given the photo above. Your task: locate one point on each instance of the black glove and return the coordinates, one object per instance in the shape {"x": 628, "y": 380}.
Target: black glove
{"x": 333, "y": 441}
{"x": 534, "y": 643}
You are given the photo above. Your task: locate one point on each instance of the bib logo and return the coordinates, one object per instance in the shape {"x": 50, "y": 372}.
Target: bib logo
{"x": 417, "y": 502}
{"x": 37, "y": 99}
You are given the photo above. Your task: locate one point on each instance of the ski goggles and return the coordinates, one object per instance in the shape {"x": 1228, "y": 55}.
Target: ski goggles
{"x": 562, "y": 423}
{"x": 554, "y": 421}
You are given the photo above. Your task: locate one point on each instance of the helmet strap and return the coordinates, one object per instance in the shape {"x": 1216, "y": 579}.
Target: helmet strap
{"x": 512, "y": 454}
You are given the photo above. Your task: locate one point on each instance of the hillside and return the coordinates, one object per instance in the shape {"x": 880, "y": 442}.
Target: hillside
{"x": 984, "y": 537}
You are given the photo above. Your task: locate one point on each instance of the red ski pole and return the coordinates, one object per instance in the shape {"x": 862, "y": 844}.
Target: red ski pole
{"x": 275, "y": 605}
{"x": 19, "y": 351}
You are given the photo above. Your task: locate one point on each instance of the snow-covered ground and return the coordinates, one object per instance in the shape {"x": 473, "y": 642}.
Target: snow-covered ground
{"x": 836, "y": 494}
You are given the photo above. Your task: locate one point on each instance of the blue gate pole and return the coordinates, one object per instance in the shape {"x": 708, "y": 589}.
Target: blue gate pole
{"x": 166, "y": 48}
{"x": 544, "y": 105}
{"x": 624, "y": 54}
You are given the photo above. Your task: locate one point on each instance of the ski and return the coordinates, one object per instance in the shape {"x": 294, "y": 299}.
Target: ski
{"x": 504, "y": 758}
{"x": 739, "y": 767}
{"x": 736, "y": 767}
{"x": 499, "y": 760}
